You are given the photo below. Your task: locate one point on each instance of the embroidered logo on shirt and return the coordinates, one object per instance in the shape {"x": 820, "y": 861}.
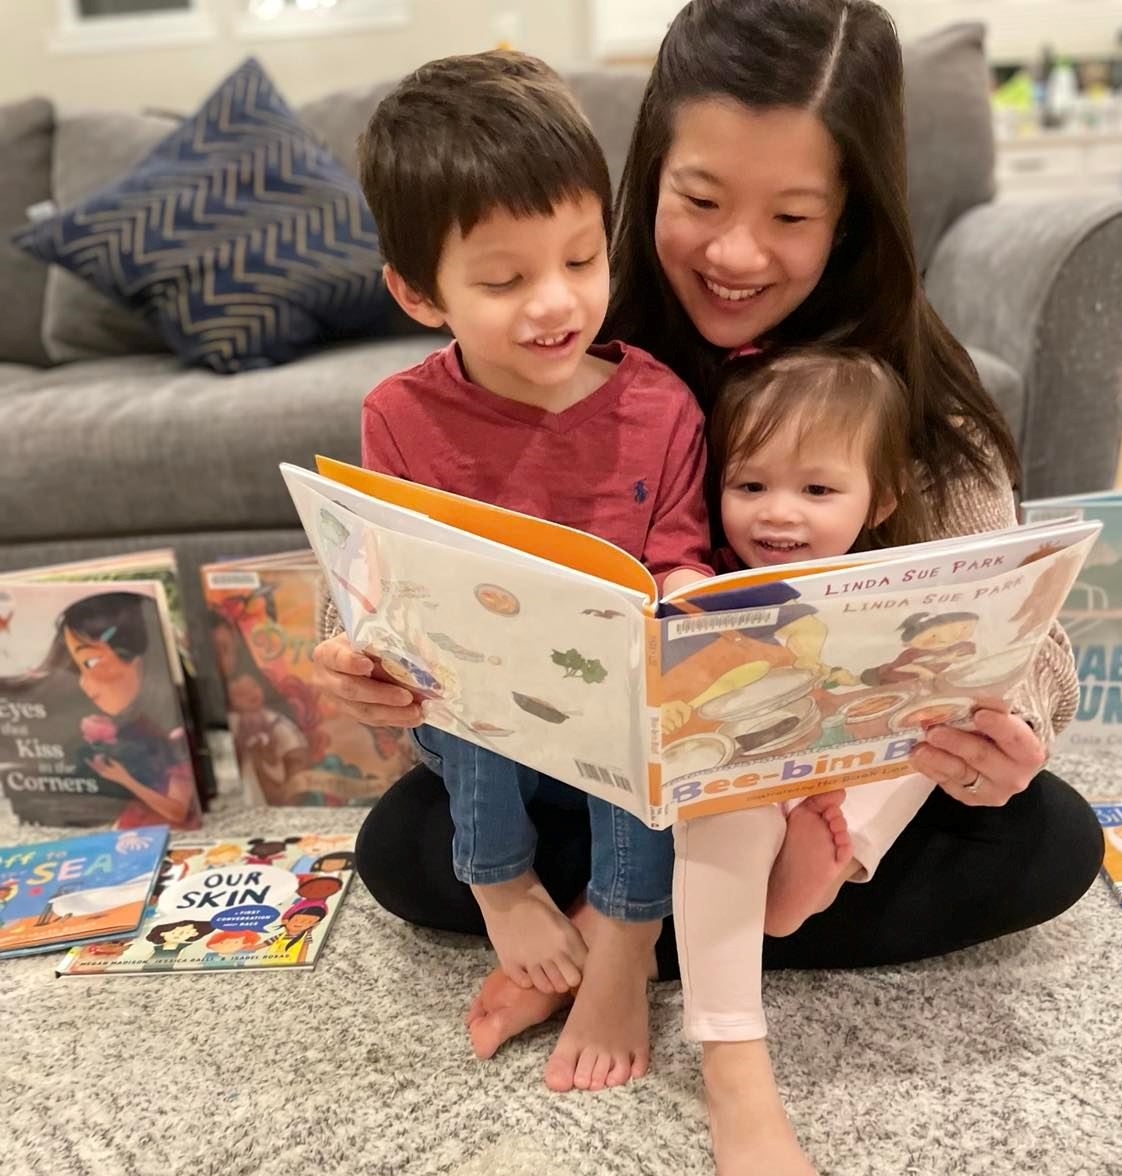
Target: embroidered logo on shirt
{"x": 640, "y": 490}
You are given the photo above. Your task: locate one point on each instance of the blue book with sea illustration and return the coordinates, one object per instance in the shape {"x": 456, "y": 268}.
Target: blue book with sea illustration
{"x": 82, "y": 889}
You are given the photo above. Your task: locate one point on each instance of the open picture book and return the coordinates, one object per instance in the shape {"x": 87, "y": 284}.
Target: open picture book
{"x": 551, "y": 647}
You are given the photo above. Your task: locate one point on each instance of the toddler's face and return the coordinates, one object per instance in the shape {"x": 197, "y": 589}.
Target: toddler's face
{"x": 786, "y": 502}
{"x": 525, "y": 296}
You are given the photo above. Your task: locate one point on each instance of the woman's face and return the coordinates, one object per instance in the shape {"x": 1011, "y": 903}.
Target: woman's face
{"x": 748, "y": 204}
{"x": 110, "y": 682}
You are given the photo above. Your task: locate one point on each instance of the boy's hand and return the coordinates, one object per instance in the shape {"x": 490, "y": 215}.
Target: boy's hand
{"x": 356, "y": 684}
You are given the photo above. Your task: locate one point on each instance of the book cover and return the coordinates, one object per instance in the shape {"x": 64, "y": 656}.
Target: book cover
{"x": 1110, "y": 817}
{"x": 550, "y": 646}
{"x": 293, "y": 746}
{"x": 232, "y": 905}
{"x": 1092, "y": 616}
{"x": 160, "y": 565}
{"x": 76, "y": 889}
{"x": 92, "y": 723}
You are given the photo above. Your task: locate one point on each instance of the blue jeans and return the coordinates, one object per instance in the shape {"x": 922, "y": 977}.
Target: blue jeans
{"x": 494, "y": 839}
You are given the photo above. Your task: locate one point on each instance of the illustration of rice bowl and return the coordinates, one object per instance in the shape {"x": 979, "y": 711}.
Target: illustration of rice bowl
{"x": 774, "y": 730}
{"x": 928, "y": 712}
{"x": 774, "y": 690}
{"x": 696, "y": 753}
{"x": 873, "y": 708}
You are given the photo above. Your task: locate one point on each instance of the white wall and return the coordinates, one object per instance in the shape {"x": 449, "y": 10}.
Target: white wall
{"x": 178, "y": 78}
{"x": 561, "y": 31}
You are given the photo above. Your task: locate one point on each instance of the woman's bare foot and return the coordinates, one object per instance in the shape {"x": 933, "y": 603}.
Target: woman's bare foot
{"x": 502, "y": 1010}
{"x": 606, "y": 1039}
{"x": 816, "y": 857}
{"x": 750, "y": 1130}
{"x": 536, "y": 944}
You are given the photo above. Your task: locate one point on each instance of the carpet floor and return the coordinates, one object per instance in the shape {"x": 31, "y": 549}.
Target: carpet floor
{"x": 994, "y": 1060}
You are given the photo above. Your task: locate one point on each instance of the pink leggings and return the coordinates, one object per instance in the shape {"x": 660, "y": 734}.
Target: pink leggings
{"x": 721, "y": 869}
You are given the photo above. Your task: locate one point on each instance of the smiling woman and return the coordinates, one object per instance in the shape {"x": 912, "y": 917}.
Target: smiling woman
{"x": 742, "y": 248}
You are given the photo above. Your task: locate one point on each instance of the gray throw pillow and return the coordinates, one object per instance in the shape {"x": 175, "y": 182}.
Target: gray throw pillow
{"x": 91, "y": 149}
{"x": 950, "y": 131}
{"x": 25, "y": 164}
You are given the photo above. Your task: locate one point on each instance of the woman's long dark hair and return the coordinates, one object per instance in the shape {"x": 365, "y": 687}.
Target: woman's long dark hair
{"x": 841, "y": 60}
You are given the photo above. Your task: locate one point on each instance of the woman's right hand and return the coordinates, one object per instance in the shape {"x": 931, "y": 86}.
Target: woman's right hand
{"x": 346, "y": 678}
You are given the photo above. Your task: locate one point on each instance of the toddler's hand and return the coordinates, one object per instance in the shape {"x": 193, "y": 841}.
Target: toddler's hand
{"x": 358, "y": 687}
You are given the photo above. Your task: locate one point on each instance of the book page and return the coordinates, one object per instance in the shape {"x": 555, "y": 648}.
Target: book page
{"x": 536, "y": 662}
{"x": 551, "y": 541}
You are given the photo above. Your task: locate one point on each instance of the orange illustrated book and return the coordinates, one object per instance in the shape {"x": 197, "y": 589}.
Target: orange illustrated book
{"x": 551, "y": 647}
{"x": 292, "y": 745}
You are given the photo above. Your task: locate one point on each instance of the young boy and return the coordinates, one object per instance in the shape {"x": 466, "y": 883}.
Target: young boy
{"x": 492, "y": 198}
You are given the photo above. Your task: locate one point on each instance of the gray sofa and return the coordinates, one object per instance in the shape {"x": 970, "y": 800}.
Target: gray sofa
{"x": 109, "y": 445}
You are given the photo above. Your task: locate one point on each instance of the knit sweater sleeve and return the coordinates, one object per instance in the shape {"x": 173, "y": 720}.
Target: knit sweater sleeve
{"x": 1049, "y": 696}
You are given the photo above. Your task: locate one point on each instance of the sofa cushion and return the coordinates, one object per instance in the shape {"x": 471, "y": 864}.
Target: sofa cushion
{"x": 25, "y": 164}
{"x": 950, "y": 131}
{"x": 144, "y": 446}
{"x": 610, "y": 99}
{"x": 93, "y": 148}
{"x": 239, "y": 237}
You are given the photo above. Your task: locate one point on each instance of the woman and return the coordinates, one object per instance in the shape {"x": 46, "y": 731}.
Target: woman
{"x": 764, "y": 201}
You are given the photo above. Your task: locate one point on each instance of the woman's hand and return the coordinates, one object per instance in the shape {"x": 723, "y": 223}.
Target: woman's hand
{"x": 345, "y": 677}
{"x": 985, "y": 767}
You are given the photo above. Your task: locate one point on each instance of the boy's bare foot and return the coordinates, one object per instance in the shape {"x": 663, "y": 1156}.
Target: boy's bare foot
{"x": 750, "y": 1130}
{"x": 502, "y": 1010}
{"x": 606, "y": 1039}
{"x": 536, "y": 944}
{"x": 816, "y": 857}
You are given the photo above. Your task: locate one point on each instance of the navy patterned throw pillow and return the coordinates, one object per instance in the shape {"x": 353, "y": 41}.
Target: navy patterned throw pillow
{"x": 240, "y": 238}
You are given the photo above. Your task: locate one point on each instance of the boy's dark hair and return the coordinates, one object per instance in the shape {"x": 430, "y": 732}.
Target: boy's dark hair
{"x": 463, "y": 136}
{"x": 842, "y": 392}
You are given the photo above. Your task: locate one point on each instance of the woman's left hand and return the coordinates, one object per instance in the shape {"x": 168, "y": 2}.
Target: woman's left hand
{"x": 983, "y": 767}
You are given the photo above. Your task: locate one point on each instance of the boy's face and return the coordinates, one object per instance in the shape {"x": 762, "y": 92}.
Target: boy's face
{"x": 524, "y": 296}
{"x": 787, "y": 502}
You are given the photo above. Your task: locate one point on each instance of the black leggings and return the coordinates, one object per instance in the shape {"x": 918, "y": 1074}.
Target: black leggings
{"x": 956, "y": 875}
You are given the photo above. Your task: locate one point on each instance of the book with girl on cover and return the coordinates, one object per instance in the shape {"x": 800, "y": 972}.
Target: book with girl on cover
{"x": 1092, "y": 616}
{"x": 232, "y": 905}
{"x": 94, "y": 726}
{"x": 293, "y": 746}
{"x": 78, "y": 889}
{"x": 551, "y": 647}
{"x": 157, "y": 564}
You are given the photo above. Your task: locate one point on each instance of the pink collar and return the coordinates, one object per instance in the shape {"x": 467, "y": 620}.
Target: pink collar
{"x": 740, "y": 352}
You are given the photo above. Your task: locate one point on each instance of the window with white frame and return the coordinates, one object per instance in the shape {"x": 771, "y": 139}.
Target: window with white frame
{"x": 85, "y": 26}
{"x": 301, "y": 18}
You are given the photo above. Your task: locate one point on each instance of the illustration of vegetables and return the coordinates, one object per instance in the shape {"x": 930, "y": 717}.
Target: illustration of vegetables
{"x": 576, "y": 665}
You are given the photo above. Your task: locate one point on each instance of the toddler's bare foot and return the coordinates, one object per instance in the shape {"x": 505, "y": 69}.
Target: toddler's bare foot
{"x": 606, "y": 1040}
{"x": 502, "y": 1010}
{"x": 536, "y": 944}
{"x": 750, "y": 1129}
{"x": 814, "y": 860}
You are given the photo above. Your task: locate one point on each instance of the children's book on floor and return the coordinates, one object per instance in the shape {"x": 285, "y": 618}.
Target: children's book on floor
{"x": 551, "y": 647}
{"x": 157, "y": 564}
{"x": 95, "y": 726}
{"x": 232, "y": 905}
{"x": 79, "y": 889}
{"x": 293, "y": 746}
{"x": 1092, "y": 616}
{"x": 1110, "y": 817}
